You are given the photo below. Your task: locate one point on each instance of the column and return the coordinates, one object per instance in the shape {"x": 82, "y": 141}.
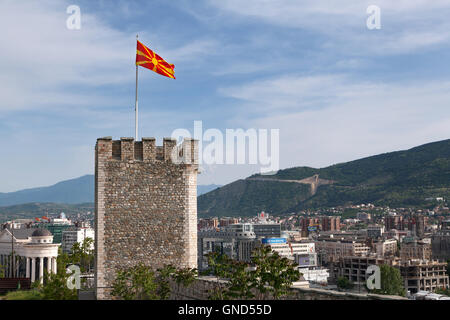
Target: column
{"x": 33, "y": 269}
{"x": 28, "y": 267}
{"x": 54, "y": 267}
{"x": 49, "y": 264}
{"x": 41, "y": 270}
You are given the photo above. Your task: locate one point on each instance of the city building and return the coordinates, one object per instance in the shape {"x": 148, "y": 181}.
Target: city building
{"x": 237, "y": 241}
{"x": 417, "y": 274}
{"x": 353, "y": 268}
{"x": 331, "y": 223}
{"x": 70, "y": 237}
{"x": 331, "y": 248}
{"x": 291, "y": 249}
{"x": 55, "y": 225}
{"x": 393, "y": 221}
{"x": 417, "y": 224}
{"x": 309, "y": 224}
{"x": 226, "y": 221}
{"x": 415, "y": 249}
{"x": 267, "y": 230}
{"x": 211, "y": 223}
{"x": 375, "y": 231}
{"x": 386, "y": 248}
{"x": 426, "y": 275}
{"x": 440, "y": 242}
{"x": 34, "y": 251}
{"x": 363, "y": 216}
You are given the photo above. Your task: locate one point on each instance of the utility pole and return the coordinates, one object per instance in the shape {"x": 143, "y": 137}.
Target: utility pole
{"x": 12, "y": 250}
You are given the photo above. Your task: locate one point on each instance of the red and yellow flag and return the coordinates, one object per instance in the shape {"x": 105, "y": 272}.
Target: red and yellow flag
{"x": 150, "y": 60}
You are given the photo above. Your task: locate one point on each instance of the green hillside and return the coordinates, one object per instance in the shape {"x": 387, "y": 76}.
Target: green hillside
{"x": 403, "y": 178}
{"x": 36, "y": 209}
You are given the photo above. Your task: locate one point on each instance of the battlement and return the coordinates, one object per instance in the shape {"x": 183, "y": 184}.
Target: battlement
{"x": 126, "y": 149}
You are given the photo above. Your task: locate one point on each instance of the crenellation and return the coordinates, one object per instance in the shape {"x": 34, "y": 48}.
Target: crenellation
{"x": 116, "y": 150}
{"x": 168, "y": 146}
{"x": 138, "y": 151}
{"x": 127, "y": 148}
{"x": 149, "y": 149}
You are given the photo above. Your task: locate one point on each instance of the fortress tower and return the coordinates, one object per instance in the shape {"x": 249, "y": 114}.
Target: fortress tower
{"x": 145, "y": 206}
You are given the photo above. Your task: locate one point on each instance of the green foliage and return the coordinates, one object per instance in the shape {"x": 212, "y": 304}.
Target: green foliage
{"x": 274, "y": 272}
{"x": 344, "y": 283}
{"x": 245, "y": 197}
{"x": 2, "y": 271}
{"x": 82, "y": 254}
{"x": 185, "y": 276}
{"x": 443, "y": 291}
{"x": 268, "y": 275}
{"x": 55, "y": 287}
{"x": 163, "y": 277}
{"x": 391, "y": 281}
{"x": 32, "y": 294}
{"x": 142, "y": 283}
{"x": 136, "y": 283}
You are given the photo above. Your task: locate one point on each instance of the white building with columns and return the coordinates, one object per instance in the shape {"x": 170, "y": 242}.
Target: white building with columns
{"x": 34, "y": 252}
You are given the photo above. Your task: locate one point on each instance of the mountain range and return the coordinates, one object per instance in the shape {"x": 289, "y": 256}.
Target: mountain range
{"x": 73, "y": 191}
{"x": 398, "y": 179}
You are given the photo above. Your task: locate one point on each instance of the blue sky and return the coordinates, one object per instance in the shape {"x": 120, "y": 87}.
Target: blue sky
{"x": 336, "y": 90}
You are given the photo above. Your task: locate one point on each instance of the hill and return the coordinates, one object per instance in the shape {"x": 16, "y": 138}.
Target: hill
{"x": 36, "y": 209}
{"x": 73, "y": 191}
{"x": 402, "y": 178}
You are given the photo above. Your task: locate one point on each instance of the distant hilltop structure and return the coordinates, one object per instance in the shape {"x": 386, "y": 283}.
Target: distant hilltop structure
{"x": 145, "y": 206}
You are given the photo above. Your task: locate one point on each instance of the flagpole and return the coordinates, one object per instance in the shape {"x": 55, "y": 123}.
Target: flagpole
{"x": 136, "y": 103}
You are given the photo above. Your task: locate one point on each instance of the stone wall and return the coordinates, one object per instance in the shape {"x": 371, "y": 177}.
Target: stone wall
{"x": 203, "y": 286}
{"x": 145, "y": 206}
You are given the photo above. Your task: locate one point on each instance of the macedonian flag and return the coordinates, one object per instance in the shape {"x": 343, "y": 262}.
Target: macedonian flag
{"x": 150, "y": 60}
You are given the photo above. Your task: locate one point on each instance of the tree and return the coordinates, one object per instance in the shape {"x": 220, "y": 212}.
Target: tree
{"x": 136, "y": 283}
{"x": 55, "y": 287}
{"x": 344, "y": 283}
{"x": 391, "y": 281}
{"x": 82, "y": 254}
{"x": 142, "y": 283}
{"x": 274, "y": 274}
{"x": 267, "y": 275}
{"x": 443, "y": 291}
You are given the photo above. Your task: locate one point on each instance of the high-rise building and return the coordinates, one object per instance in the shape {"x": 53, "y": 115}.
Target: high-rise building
{"x": 440, "y": 242}
{"x": 70, "y": 237}
{"x": 331, "y": 223}
{"x": 393, "y": 221}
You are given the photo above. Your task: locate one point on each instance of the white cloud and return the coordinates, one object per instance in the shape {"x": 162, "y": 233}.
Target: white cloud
{"x": 406, "y": 24}
{"x": 45, "y": 64}
{"x": 327, "y": 119}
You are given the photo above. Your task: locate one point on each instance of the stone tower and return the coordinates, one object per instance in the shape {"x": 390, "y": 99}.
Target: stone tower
{"x": 145, "y": 206}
